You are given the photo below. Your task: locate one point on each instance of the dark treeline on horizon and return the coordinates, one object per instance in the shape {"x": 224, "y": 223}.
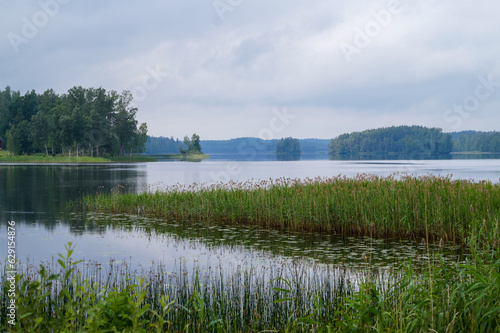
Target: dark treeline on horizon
{"x": 288, "y": 149}
{"x": 415, "y": 140}
{"x": 472, "y": 141}
{"x": 238, "y": 146}
{"x": 84, "y": 121}
{"x": 392, "y": 140}
{"x": 288, "y": 146}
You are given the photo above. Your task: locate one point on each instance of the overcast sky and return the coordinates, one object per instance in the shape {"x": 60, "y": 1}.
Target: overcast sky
{"x": 233, "y": 68}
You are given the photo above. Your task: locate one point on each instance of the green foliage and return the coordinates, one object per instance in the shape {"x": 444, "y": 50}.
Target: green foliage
{"x": 18, "y": 139}
{"x": 120, "y": 310}
{"x": 162, "y": 145}
{"x": 160, "y": 301}
{"x": 140, "y": 138}
{"x": 442, "y": 296}
{"x": 64, "y": 302}
{"x": 23, "y": 138}
{"x": 12, "y": 143}
{"x": 41, "y": 127}
{"x": 288, "y": 149}
{"x": 241, "y": 146}
{"x": 416, "y": 141}
{"x": 288, "y": 146}
{"x": 472, "y": 141}
{"x": 408, "y": 206}
{"x": 192, "y": 145}
{"x": 82, "y": 121}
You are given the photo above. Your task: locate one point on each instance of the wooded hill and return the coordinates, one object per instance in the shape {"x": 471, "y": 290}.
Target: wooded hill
{"x": 472, "y": 141}
{"x": 393, "y": 140}
{"x": 84, "y": 121}
{"x": 415, "y": 140}
{"x": 238, "y": 146}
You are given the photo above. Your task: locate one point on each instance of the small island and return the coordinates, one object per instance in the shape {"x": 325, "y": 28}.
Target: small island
{"x": 189, "y": 150}
{"x": 192, "y": 152}
{"x": 288, "y": 149}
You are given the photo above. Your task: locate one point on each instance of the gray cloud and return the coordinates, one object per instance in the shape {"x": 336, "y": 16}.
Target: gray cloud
{"x": 227, "y": 72}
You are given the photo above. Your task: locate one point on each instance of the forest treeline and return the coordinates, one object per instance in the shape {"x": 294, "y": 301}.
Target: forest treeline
{"x": 83, "y": 121}
{"x": 288, "y": 146}
{"x": 422, "y": 141}
{"x": 472, "y": 141}
{"x": 238, "y": 146}
{"x": 393, "y": 140}
{"x": 415, "y": 140}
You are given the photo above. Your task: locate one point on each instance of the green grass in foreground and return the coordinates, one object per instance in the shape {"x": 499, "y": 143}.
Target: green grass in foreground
{"x": 415, "y": 207}
{"x": 447, "y": 297}
{"x": 6, "y": 158}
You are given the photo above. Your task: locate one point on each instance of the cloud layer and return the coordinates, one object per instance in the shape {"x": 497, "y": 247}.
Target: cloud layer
{"x": 221, "y": 68}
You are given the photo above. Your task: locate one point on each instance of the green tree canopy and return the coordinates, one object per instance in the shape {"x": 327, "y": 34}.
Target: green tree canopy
{"x": 288, "y": 146}
{"x": 192, "y": 145}
{"x": 415, "y": 140}
{"x": 84, "y": 121}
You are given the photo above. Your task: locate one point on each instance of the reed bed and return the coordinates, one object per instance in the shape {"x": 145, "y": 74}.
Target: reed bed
{"x": 367, "y": 205}
{"x": 85, "y": 297}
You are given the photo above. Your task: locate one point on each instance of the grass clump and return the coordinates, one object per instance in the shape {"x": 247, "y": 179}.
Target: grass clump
{"x": 64, "y": 302}
{"x": 448, "y": 297}
{"x": 406, "y": 206}
{"x": 73, "y": 298}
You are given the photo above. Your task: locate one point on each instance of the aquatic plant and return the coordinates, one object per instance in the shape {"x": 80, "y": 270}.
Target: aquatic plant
{"x": 397, "y": 206}
{"x": 78, "y": 296}
{"x": 82, "y": 296}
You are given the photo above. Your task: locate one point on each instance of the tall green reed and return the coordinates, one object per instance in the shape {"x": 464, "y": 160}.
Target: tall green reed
{"x": 73, "y": 297}
{"x": 394, "y": 206}
{"x": 463, "y": 298}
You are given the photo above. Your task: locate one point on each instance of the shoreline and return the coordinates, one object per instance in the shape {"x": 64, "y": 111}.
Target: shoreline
{"x": 6, "y": 158}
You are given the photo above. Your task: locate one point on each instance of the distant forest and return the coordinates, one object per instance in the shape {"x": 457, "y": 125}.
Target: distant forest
{"x": 288, "y": 146}
{"x": 288, "y": 149}
{"x": 83, "y": 121}
{"x": 414, "y": 140}
{"x": 392, "y": 140}
{"x": 472, "y": 141}
{"x": 238, "y": 146}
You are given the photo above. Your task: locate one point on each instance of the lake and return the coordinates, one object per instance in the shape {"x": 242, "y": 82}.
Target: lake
{"x": 35, "y": 196}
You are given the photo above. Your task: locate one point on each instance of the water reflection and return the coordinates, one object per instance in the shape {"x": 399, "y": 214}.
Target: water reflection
{"x": 35, "y": 196}
{"x": 288, "y": 157}
{"x": 414, "y": 157}
{"x": 39, "y": 193}
{"x": 199, "y": 241}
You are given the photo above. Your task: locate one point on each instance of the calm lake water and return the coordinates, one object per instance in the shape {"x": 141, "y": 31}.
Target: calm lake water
{"x": 35, "y": 196}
